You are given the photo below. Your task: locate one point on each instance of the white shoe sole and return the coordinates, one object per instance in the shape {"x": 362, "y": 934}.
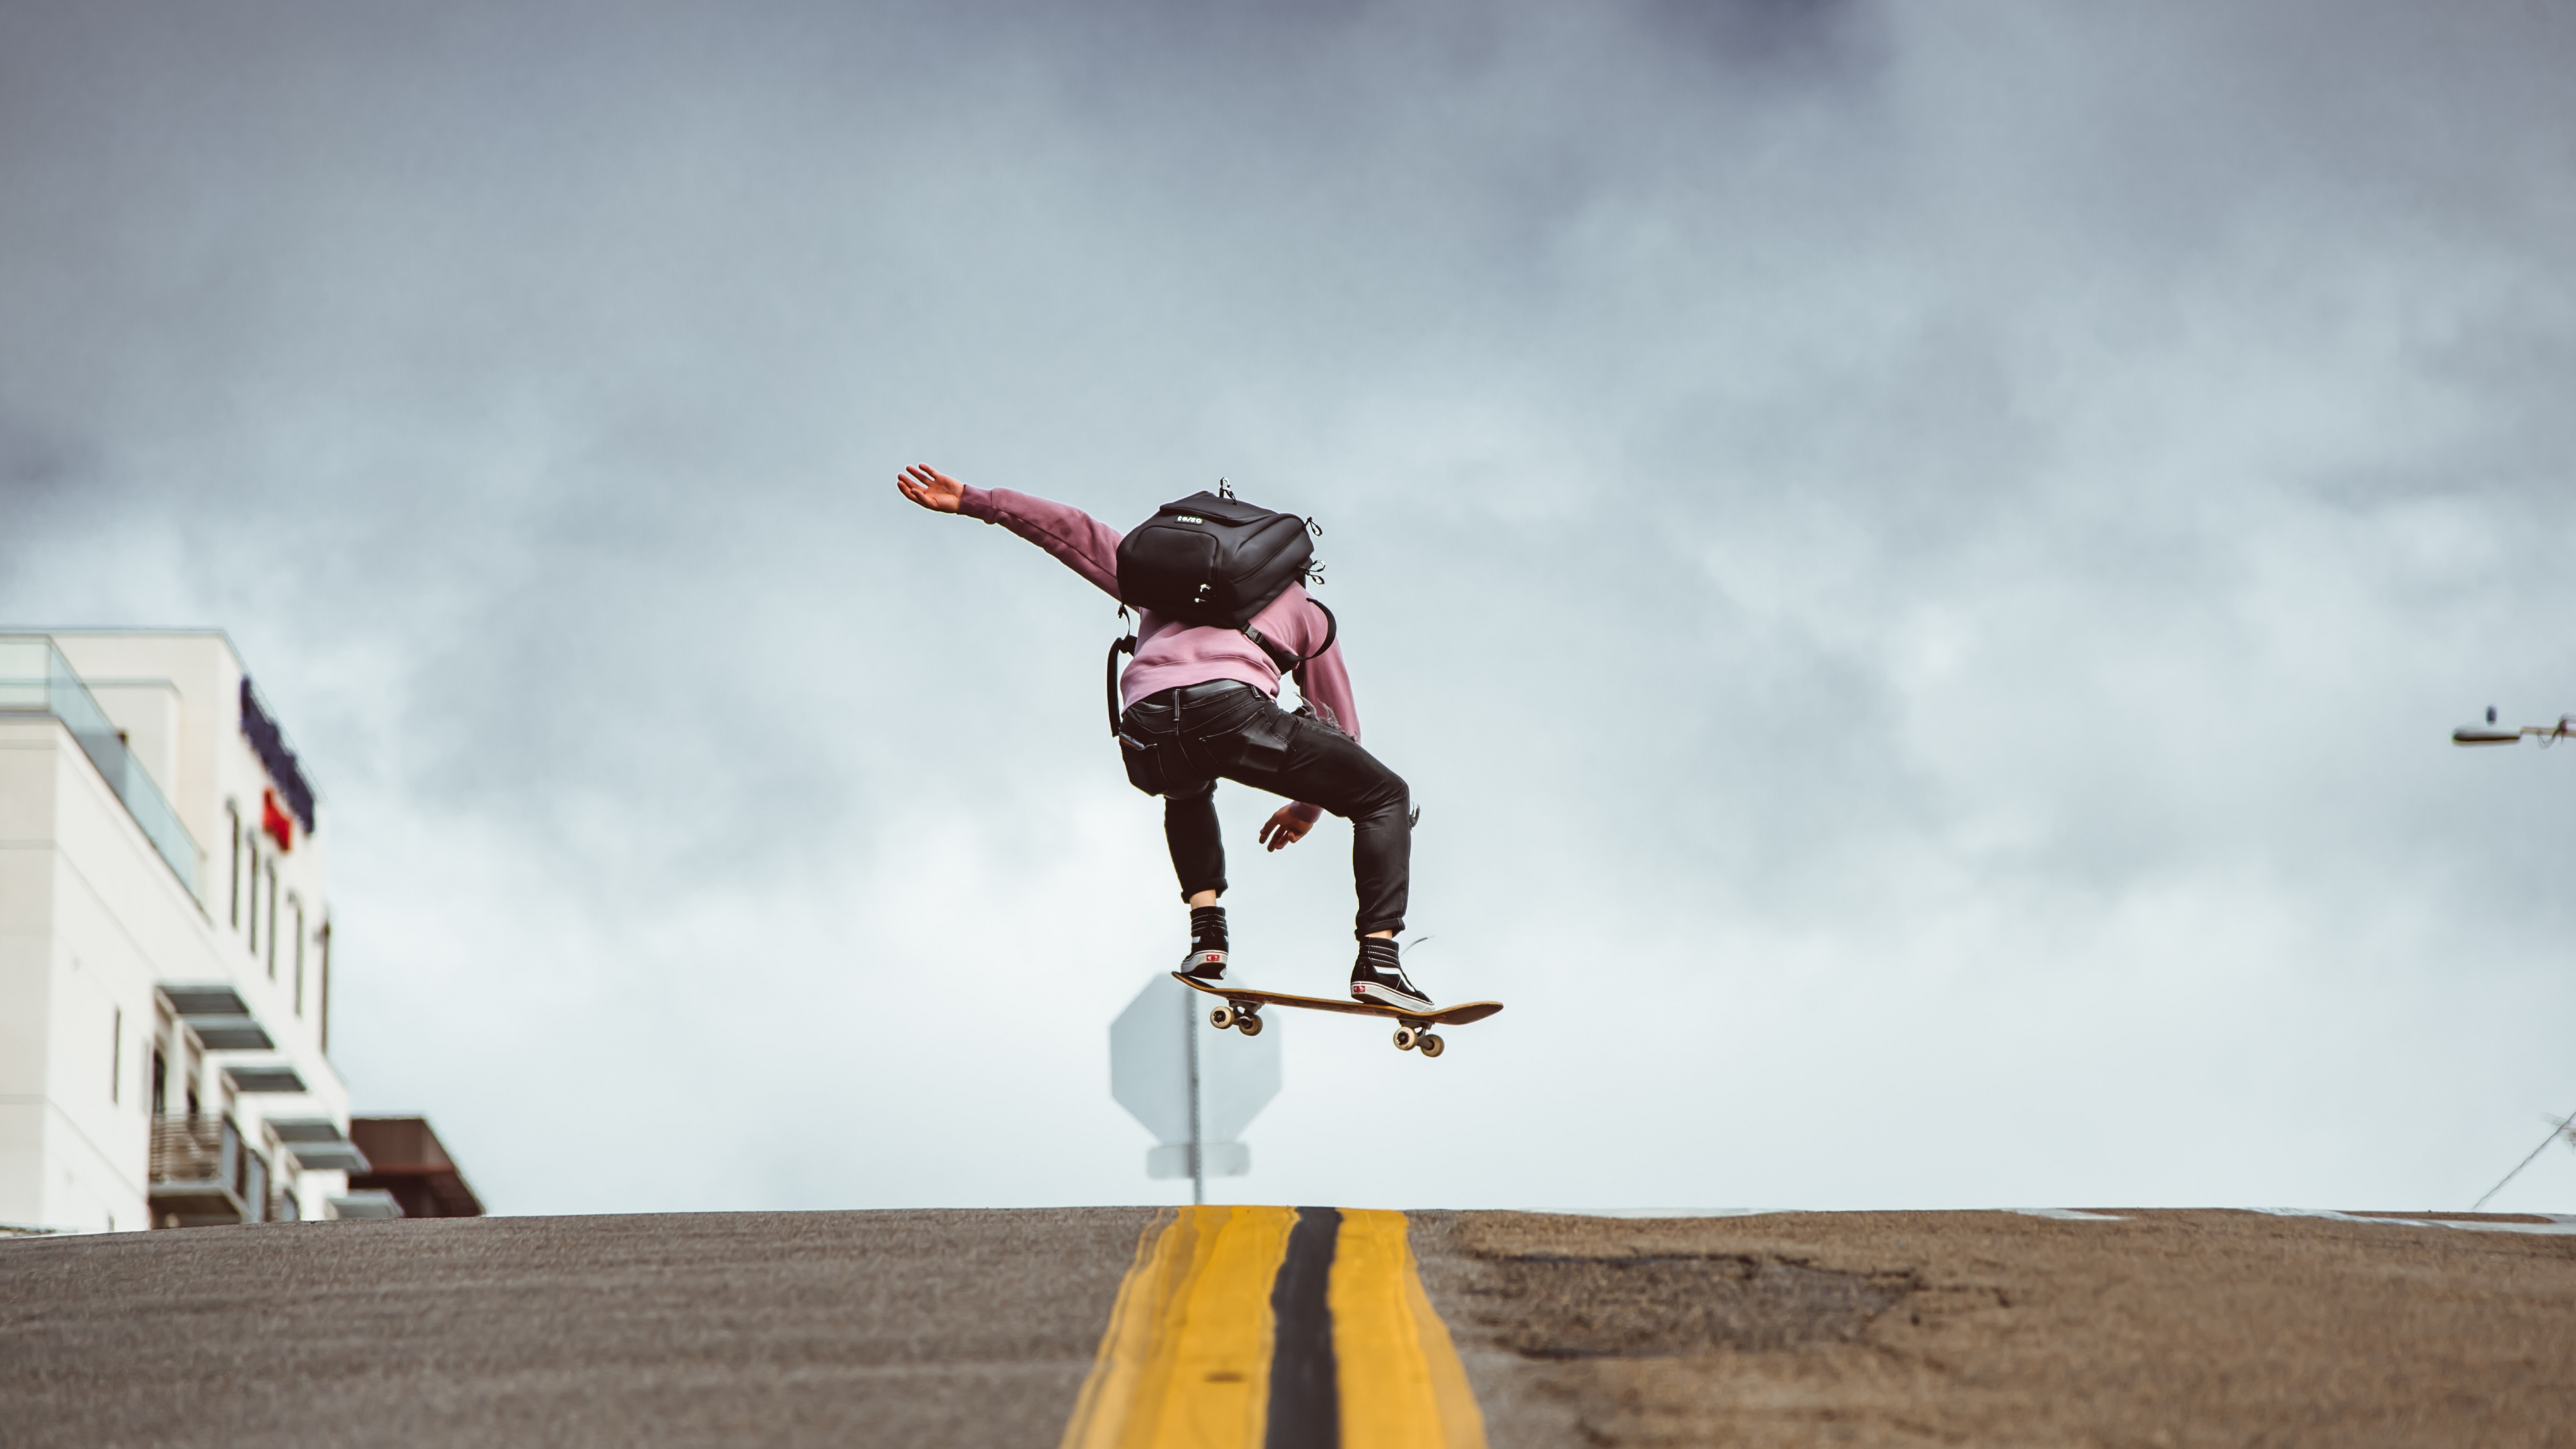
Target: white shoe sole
{"x": 1193, "y": 966}
{"x": 1388, "y": 996}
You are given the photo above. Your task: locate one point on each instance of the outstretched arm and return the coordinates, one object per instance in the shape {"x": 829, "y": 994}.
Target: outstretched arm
{"x": 1083, "y": 543}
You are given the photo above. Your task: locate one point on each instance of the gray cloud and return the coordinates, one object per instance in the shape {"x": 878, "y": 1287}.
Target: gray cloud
{"x": 1947, "y": 543}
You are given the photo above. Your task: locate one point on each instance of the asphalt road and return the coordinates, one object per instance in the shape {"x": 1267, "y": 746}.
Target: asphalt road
{"x": 979, "y": 1328}
{"x": 1989, "y": 1328}
{"x": 898, "y": 1328}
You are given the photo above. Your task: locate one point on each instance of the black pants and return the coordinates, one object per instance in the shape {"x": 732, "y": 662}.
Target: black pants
{"x": 1180, "y": 742}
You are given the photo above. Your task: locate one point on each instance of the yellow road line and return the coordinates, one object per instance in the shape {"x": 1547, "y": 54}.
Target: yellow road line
{"x": 1402, "y": 1384}
{"x": 1186, "y": 1360}
{"x": 1185, "y": 1363}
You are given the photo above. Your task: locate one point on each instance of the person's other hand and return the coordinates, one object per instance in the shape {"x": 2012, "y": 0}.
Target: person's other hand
{"x": 931, "y": 488}
{"x": 1286, "y": 827}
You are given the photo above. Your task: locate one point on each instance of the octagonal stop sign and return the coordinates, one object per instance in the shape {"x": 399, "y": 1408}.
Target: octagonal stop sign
{"x": 1194, "y": 1087}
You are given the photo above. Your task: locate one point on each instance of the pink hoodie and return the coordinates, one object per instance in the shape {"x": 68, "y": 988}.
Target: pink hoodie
{"x": 1168, "y": 653}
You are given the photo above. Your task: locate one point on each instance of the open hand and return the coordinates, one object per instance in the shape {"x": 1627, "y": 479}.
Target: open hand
{"x": 930, "y": 488}
{"x": 1286, "y": 827}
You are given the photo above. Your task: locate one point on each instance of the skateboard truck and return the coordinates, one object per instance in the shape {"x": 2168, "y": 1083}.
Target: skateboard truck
{"x": 1411, "y": 1038}
{"x": 1243, "y": 1016}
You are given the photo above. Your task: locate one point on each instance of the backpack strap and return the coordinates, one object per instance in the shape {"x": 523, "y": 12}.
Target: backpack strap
{"x": 1289, "y": 660}
{"x": 1126, "y": 646}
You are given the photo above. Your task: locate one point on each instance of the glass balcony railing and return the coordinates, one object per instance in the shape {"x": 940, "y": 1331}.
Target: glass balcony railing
{"x": 35, "y": 678}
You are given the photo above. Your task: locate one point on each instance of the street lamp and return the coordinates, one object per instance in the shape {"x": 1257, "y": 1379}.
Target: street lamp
{"x": 2491, "y": 733}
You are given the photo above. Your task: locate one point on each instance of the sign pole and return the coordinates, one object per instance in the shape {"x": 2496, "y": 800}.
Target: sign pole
{"x": 1198, "y": 1166}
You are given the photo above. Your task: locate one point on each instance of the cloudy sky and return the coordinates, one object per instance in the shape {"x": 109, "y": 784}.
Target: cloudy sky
{"x": 1919, "y": 561}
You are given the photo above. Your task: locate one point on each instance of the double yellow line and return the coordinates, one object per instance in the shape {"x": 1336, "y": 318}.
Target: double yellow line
{"x": 1220, "y": 1339}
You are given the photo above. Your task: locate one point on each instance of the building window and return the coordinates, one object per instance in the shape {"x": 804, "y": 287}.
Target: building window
{"x": 250, "y": 933}
{"x": 272, "y": 918}
{"x": 160, "y": 1083}
{"x": 324, "y": 1005}
{"x": 298, "y": 907}
{"x": 232, "y": 813}
{"x": 116, "y": 1055}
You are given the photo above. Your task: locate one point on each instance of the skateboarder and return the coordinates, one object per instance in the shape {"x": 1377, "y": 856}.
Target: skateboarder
{"x": 1202, "y": 701}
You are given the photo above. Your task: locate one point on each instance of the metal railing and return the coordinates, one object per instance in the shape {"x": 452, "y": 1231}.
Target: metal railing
{"x": 203, "y": 1174}
{"x": 196, "y": 1149}
{"x": 35, "y": 678}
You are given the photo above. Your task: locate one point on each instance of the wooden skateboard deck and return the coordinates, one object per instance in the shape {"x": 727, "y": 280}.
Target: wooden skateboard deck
{"x": 1242, "y": 1012}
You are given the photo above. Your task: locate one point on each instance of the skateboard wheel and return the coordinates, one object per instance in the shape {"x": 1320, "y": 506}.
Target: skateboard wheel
{"x": 1221, "y": 1018}
{"x": 1405, "y": 1037}
{"x": 1248, "y": 1024}
{"x": 1431, "y": 1044}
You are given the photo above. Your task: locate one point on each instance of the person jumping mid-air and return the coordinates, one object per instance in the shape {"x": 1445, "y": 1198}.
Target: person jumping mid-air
{"x": 1200, "y": 705}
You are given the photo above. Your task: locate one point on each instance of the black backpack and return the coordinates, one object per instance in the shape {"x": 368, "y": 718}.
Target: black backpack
{"x": 1213, "y": 560}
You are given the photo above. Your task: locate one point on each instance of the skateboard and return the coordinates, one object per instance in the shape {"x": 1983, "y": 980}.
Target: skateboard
{"x": 1242, "y": 1011}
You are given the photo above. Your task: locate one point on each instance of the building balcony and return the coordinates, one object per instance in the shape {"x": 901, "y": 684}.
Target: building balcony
{"x": 318, "y": 1144}
{"x": 202, "y": 1176}
{"x": 217, "y": 1014}
{"x": 35, "y": 678}
{"x": 276, "y": 1077}
{"x": 408, "y": 1164}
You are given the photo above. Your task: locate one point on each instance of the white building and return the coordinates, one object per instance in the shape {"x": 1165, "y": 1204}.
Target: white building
{"x": 165, "y": 945}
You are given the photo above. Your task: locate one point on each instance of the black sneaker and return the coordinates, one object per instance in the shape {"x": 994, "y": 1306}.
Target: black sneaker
{"x": 1204, "y": 965}
{"x": 1379, "y": 977}
{"x": 1206, "y": 961}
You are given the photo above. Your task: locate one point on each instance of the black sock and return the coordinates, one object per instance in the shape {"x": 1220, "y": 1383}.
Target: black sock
{"x": 1207, "y": 928}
